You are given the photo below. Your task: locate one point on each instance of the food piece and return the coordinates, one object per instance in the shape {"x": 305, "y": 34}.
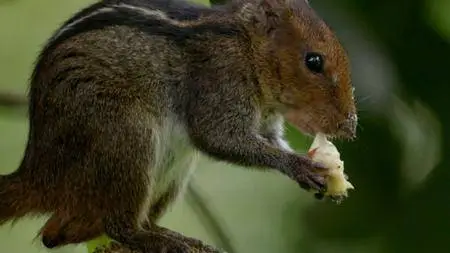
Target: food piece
{"x": 324, "y": 152}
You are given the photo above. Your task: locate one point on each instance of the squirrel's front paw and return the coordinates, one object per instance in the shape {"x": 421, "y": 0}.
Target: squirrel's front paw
{"x": 309, "y": 175}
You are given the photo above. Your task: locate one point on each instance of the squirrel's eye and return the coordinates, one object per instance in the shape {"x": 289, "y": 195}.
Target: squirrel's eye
{"x": 314, "y": 62}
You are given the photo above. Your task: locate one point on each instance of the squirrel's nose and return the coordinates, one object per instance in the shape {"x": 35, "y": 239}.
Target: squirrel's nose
{"x": 347, "y": 128}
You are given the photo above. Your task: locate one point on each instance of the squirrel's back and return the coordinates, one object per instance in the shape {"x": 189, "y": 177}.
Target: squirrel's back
{"x": 126, "y": 43}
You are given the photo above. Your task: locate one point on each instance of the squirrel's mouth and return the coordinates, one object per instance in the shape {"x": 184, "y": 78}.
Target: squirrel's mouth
{"x": 312, "y": 130}
{"x": 309, "y": 126}
{"x": 303, "y": 122}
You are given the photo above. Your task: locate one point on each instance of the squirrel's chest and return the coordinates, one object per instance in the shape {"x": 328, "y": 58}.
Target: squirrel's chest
{"x": 174, "y": 159}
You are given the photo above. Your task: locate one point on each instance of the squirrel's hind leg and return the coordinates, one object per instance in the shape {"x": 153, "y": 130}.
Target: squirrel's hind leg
{"x": 123, "y": 225}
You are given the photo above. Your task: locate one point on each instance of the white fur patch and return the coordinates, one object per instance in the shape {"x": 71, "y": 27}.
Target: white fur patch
{"x": 174, "y": 160}
{"x": 158, "y": 14}
{"x": 153, "y": 13}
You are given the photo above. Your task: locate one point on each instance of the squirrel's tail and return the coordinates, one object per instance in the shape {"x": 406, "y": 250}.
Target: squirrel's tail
{"x": 16, "y": 199}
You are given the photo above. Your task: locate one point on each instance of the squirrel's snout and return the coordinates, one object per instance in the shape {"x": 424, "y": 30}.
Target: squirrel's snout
{"x": 347, "y": 128}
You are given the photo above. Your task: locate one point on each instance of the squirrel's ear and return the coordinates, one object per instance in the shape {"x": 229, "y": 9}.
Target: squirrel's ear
{"x": 263, "y": 15}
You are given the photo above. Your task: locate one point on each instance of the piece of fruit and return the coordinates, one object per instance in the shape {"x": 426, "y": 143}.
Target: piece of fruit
{"x": 324, "y": 152}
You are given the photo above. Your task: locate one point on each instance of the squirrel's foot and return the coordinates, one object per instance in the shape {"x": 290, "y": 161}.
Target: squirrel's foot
{"x": 204, "y": 248}
{"x": 195, "y": 245}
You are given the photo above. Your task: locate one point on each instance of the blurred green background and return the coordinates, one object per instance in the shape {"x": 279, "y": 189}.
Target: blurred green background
{"x": 399, "y": 164}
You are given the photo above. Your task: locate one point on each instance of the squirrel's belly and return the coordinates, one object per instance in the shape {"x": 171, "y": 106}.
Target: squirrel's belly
{"x": 174, "y": 160}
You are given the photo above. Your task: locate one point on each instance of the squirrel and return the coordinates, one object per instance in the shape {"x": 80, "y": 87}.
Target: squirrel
{"x": 128, "y": 94}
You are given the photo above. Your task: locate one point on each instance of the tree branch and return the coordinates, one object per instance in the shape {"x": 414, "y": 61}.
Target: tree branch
{"x": 114, "y": 247}
{"x": 12, "y": 100}
{"x": 218, "y": 2}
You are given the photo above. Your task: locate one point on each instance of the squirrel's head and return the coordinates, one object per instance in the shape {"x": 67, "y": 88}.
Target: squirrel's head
{"x": 301, "y": 65}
